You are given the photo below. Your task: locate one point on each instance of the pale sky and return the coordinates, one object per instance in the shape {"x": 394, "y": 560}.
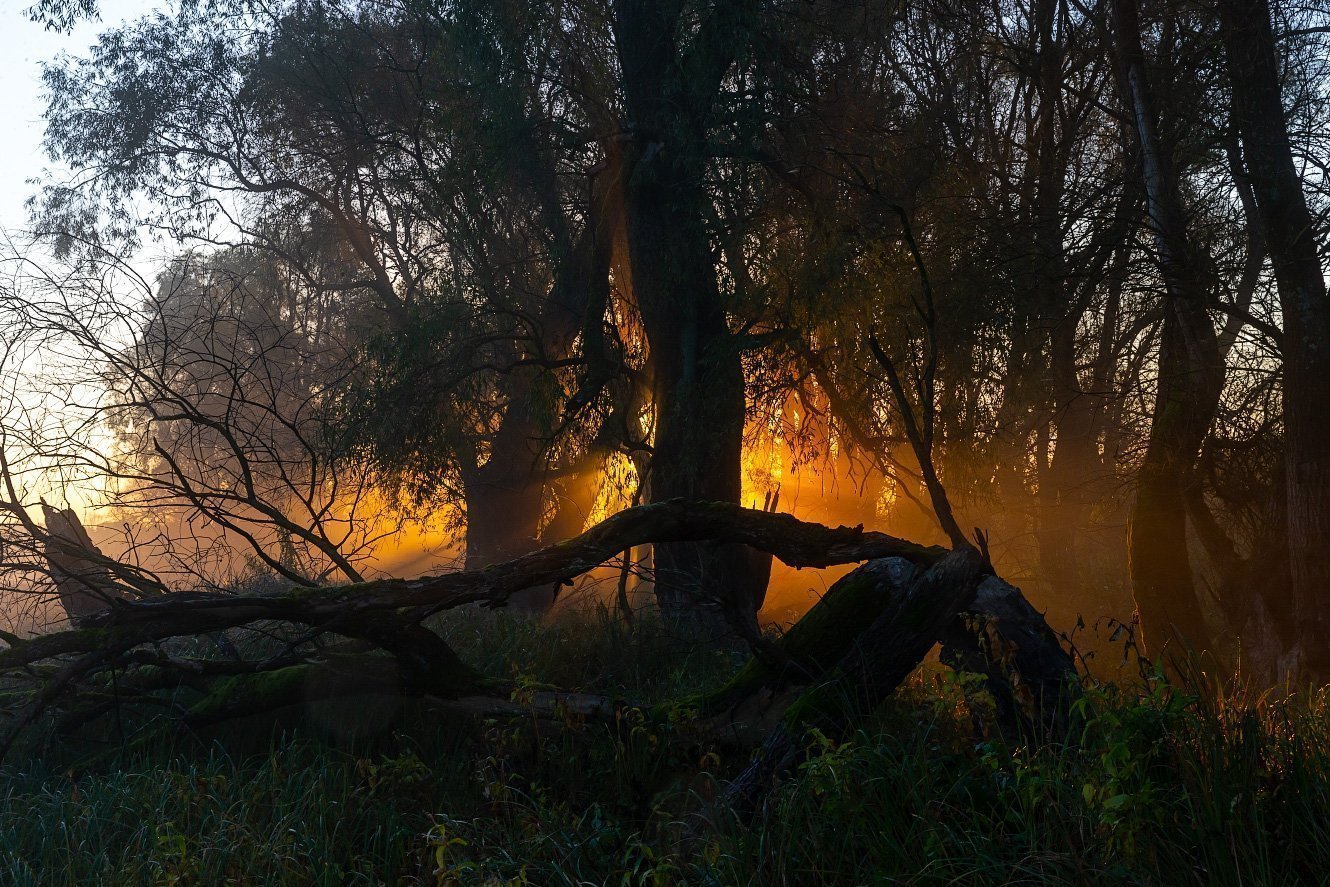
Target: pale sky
{"x": 23, "y": 46}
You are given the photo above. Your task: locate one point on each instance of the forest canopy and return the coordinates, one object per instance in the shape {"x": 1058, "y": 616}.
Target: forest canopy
{"x": 515, "y": 265}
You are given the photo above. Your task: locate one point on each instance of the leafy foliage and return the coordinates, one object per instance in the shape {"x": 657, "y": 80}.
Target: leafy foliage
{"x": 1162, "y": 784}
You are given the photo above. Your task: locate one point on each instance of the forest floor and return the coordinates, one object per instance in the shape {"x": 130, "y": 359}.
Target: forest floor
{"x": 1160, "y": 785}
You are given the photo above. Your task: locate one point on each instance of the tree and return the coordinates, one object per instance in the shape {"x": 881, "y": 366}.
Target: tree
{"x": 1290, "y": 233}
{"x": 655, "y": 235}
{"x": 1191, "y": 377}
{"x": 671, "y": 90}
{"x": 204, "y": 403}
{"x": 315, "y": 118}
{"x": 61, "y": 15}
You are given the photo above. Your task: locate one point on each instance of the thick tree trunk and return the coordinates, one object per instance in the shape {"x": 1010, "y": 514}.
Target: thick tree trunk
{"x": 1191, "y": 377}
{"x": 697, "y": 375}
{"x": 1290, "y": 236}
{"x": 1031, "y": 677}
{"x": 505, "y": 498}
{"x": 1062, "y": 508}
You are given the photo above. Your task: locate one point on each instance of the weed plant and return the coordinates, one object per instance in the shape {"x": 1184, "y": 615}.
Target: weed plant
{"x": 1160, "y": 784}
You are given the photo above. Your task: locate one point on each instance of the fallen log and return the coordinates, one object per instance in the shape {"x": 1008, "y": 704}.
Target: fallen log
{"x": 816, "y": 642}
{"x": 387, "y": 613}
{"x": 999, "y": 635}
{"x": 1030, "y": 675}
{"x": 866, "y": 635}
{"x": 878, "y": 659}
{"x": 345, "y": 609}
{"x": 847, "y": 654}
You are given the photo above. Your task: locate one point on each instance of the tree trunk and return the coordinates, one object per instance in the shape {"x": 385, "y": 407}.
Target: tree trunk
{"x": 1031, "y": 677}
{"x": 1062, "y": 509}
{"x": 77, "y": 567}
{"x": 697, "y": 376}
{"x": 911, "y": 620}
{"x": 1159, "y": 559}
{"x": 1191, "y": 376}
{"x": 872, "y": 628}
{"x": 1290, "y": 237}
{"x": 505, "y": 498}
{"x": 1064, "y": 503}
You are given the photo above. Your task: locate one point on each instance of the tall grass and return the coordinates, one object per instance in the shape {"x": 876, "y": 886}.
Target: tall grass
{"x": 1160, "y": 785}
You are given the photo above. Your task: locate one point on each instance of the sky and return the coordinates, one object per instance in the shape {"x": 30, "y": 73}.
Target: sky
{"x": 23, "y": 46}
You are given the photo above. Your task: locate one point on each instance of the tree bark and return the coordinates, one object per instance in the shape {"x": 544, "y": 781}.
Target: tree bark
{"x": 77, "y": 567}
{"x": 871, "y": 629}
{"x": 876, "y": 663}
{"x": 697, "y": 376}
{"x": 1290, "y": 236}
{"x": 1191, "y": 376}
{"x": 1031, "y": 677}
{"x": 505, "y": 498}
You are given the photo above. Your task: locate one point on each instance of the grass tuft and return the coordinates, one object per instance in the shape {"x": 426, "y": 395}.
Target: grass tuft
{"x": 1161, "y": 785}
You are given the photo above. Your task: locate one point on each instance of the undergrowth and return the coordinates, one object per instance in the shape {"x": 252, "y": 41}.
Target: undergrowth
{"x": 1160, "y": 784}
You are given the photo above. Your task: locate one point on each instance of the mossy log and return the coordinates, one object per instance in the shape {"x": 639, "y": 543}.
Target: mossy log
{"x": 243, "y": 695}
{"x": 874, "y": 627}
{"x": 877, "y": 660}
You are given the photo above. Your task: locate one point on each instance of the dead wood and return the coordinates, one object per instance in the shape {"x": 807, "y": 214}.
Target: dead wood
{"x": 846, "y": 655}
{"x": 78, "y": 568}
{"x": 386, "y": 614}
{"x": 1030, "y": 675}
{"x": 846, "y": 670}
{"x": 876, "y": 662}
